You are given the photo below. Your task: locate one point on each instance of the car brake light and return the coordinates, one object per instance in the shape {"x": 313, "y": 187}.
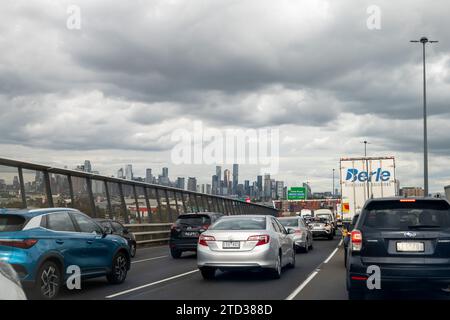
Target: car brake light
{"x": 298, "y": 232}
{"x": 22, "y": 244}
{"x": 205, "y": 226}
{"x": 356, "y": 238}
{"x": 202, "y": 240}
{"x": 407, "y": 200}
{"x": 262, "y": 239}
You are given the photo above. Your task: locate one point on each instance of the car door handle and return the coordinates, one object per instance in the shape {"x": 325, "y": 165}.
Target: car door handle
{"x": 59, "y": 241}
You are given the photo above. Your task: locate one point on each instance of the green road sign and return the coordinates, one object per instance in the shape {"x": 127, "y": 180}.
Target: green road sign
{"x": 297, "y": 193}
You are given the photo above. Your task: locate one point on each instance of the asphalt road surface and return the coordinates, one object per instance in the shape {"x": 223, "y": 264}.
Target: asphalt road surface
{"x": 154, "y": 275}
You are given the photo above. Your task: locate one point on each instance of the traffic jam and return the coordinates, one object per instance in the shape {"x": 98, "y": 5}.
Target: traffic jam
{"x": 388, "y": 243}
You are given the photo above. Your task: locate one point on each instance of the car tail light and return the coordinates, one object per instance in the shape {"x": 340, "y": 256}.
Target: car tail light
{"x": 262, "y": 239}
{"x": 202, "y": 240}
{"x": 299, "y": 232}
{"x": 205, "y": 227}
{"x": 356, "y": 238}
{"x": 22, "y": 244}
{"x": 407, "y": 200}
{"x": 175, "y": 227}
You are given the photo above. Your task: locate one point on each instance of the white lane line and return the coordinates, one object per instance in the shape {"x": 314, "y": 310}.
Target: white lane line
{"x": 341, "y": 242}
{"x": 331, "y": 255}
{"x": 149, "y": 259}
{"x": 150, "y": 284}
{"x": 304, "y": 283}
{"x": 312, "y": 275}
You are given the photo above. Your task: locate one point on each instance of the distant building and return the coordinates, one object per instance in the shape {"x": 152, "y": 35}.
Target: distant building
{"x": 235, "y": 177}
{"x": 120, "y": 173}
{"x": 87, "y": 166}
{"x": 192, "y": 184}
{"x": 180, "y": 183}
{"x": 279, "y": 187}
{"x": 148, "y": 175}
{"x": 129, "y": 172}
{"x": 412, "y": 192}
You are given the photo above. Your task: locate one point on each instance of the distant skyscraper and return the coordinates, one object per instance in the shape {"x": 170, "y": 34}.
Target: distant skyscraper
{"x": 87, "y": 166}
{"x": 148, "y": 176}
{"x": 129, "y": 172}
{"x": 180, "y": 183}
{"x": 227, "y": 181}
{"x": 246, "y": 187}
{"x": 120, "y": 173}
{"x": 235, "y": 177}
{"x": 219, "y": 180}
{"x": 279, "y": 187}
{"x": 165, "y": 172}
{"x": 192, "y": 184}
{"x": 215, "y": 184}
{"x": 267, "y": 186}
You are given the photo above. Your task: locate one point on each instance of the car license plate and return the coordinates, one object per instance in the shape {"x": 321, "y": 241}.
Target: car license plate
{"x": 410, "y": 247}
{"x": 190, "y": 234}
{"x": 231, "y": 245}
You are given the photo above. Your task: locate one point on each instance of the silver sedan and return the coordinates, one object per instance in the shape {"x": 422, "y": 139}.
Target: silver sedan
{"x": 302, "y": 235}
{"x": 245, "y": 242}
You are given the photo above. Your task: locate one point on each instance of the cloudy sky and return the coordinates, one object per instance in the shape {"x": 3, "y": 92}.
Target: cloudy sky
{"x": 115, "y": 89}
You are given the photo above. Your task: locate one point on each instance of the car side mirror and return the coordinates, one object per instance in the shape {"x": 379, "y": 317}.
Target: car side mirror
{"x": 107, "y": 230}
{"x": 125, "y": 231}
{"x": 290, "y": 231}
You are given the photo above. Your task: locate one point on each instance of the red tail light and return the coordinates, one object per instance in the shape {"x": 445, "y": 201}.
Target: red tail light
{"x": 205, "y": 226}
{"x": 262, "y": 239}
{"x": 299, "y": 232}
{"x": 202, "y": 240}
{"x": 356, "y": 238}
{"x": 22, "y": 244}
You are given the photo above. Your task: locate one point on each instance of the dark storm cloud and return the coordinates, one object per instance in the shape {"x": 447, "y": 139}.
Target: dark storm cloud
{"x": 139, "y": 69}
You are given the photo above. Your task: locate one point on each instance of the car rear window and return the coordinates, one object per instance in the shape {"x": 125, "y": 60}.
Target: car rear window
{"x": 194, "y": 220}
{"x": 289, "y": 222}
{"x": 403, "y": 215}
{"x": 249, "y": 223}
{"x": 323, "y": 216}
{"x": 11, "y": 223}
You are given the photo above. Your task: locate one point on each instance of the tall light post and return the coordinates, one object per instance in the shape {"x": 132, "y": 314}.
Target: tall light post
{"x": 424, "y": 41}
{"x": 367, "y": 167}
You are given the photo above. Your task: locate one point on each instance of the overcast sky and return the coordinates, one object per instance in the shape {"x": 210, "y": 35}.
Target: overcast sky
{"x": 114, "y": 90}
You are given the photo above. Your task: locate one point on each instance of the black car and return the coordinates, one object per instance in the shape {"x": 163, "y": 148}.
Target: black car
{"x": 407, "y": 238}
{"x": 115, "y": 227}
{"x": 185, "y": 232}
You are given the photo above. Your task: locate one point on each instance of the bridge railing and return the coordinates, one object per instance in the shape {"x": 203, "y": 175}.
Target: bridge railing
{"x": 30, "y": 185}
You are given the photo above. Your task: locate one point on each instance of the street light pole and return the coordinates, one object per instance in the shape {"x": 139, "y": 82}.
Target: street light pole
{"x": 424, "y": 41}
{"x": 367, "y": 167}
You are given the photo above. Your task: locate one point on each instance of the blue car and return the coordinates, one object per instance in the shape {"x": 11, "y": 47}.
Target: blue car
{"x": 42, "y": 244}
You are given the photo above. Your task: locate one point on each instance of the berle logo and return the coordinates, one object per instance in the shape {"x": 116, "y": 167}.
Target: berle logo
{"x": 409, "y": 234}
{"x": 354, "y": 175}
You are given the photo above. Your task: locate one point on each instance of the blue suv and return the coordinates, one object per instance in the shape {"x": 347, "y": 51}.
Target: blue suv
{"x": 41, "y": 244}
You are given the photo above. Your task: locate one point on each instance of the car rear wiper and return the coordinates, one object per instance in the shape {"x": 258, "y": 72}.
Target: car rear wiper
{"x": 424, "y": 226}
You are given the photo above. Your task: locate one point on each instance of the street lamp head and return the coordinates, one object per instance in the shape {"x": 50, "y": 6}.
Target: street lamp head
{"x": 424, "y": 39}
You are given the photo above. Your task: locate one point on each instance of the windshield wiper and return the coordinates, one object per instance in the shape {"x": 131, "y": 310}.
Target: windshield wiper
{"x": 424, "y": 226}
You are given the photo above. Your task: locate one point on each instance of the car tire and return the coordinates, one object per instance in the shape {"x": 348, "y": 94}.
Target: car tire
{"x": 133, "y": 250}
{"x": 275, "y": 273}
{"x": 355, "y": 294}
{"x": 208, "y": 273}
{"x": 48, "y": 281}
{"x": 119, "y": 269}
{"x": 175, "y": 253}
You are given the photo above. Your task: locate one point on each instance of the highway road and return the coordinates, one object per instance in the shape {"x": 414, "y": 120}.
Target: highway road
{"x": 154, "y": 275}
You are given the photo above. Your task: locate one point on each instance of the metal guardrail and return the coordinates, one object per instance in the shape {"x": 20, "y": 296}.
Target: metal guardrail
{"x": 30, "y": 185}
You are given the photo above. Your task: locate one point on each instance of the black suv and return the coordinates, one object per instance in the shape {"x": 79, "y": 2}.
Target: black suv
{"x": 115, "y": 227}
{"x": 407, "y": 238}
{"x": 185, "y": 231}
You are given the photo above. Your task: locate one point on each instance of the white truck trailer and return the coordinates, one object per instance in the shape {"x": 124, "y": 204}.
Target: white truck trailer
{"x": 365, "y": 178}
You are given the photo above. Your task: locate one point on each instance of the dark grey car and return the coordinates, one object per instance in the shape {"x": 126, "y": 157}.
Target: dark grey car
{"x": 186, "y": 230}
{"x": 408, "y": 239}
{"x": 302, "y": 236}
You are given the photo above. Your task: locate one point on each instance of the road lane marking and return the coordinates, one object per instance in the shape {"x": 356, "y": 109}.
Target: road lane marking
{"x": 313, "y": 274}
{"x": 304, "y": 283}
{"x": 149, "y": 259}
{"x": 150, "y": 284}
{"x": 331, "y": 255}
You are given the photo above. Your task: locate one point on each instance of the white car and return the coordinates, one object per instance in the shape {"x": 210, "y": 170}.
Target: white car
{"x": 11, "y": 288}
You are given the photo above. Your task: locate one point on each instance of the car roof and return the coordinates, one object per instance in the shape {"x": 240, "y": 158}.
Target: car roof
{"x": 247, "y": 216}
{"x": 199, "y": 213}
{"x": 409, "y": 198}
{"x": 289, "y": 217}
{"x": 29, "y": 213}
